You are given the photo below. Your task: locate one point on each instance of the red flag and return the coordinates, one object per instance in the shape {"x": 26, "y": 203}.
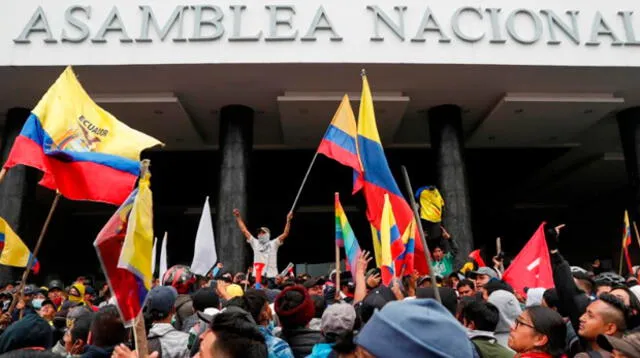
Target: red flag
{"x": 532, "y": 266}
{"x": 475, "y": 255}
{"x": 258, "y": 267}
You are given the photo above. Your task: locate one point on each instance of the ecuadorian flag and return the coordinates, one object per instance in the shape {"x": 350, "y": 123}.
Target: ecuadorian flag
{"x": 345, "y": 236}
{"x": 378, "y": 181}
{"x": 339, "y": 142}
{"x": 14, "y": 251}
{"x": 83, "y": 150}
{"x": 124, "y": 247}
{"x": 389, "y": 238}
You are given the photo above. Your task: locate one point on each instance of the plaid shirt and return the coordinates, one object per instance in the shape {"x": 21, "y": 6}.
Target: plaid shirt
{"x": 276, "y": 347}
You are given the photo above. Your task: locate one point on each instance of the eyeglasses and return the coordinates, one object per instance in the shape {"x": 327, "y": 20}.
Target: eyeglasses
{"x": 520, "y": 322}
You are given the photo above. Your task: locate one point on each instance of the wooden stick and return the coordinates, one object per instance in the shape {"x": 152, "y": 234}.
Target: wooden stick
{"x": 140, "y": 336}
{"x": 337, "y": 270}
{"x": 416, "y": 217}
{"x": 635, "y": 227}
{"x": 3, "y": 173}
{"x": 27, "y": 269}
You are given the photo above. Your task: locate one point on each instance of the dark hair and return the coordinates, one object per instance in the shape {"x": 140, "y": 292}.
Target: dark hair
{"x": 466, "y": 282}
{"x": 344, "y": 343}
{"x": 237, "y": 335}
{"x": 494, "y": 285}
{"x": 633, "y": 311}
{"x": 320, "y": 304}
{"x": 107, "y": 329}
{"x": 551, "y": 298}
{"x": 549, "y": 323}
{"x": 617, "y": 304}
{"x": 81, "y": 327}
{"x": 254, "y": 302}
{"x": 484, "y": 315}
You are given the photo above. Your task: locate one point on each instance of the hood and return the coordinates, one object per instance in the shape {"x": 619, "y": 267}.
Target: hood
{"x": 480, "y": 334}
{"x": 509, "y": 309}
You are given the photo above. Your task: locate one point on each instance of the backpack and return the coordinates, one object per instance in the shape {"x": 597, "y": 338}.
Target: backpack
{"x": 153, "y": 345}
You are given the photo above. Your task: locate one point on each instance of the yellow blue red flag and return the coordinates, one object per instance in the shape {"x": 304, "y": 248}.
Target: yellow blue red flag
{"x": 377, "y": 180}
{"x": 626, "y": 240}
{"x": 389, "y": 237}
{"x": 83, "y": 150}
{"x": 14, "y": 251}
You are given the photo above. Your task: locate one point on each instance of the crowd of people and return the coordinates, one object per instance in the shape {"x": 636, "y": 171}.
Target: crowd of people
{"x": 227, "y": 314}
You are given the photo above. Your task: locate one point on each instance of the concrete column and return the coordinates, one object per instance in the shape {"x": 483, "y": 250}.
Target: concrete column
{"x": 236, "y": 141}
{"x": 18, "y": 184}
{"x": 445, "y": 125}
{"x": 630, "y": 139}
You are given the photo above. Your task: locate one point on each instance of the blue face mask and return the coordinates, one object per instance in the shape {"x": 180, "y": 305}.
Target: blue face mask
{"x": 37, "y": 303}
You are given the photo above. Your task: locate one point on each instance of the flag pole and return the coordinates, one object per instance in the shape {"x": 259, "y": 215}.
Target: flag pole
{"x": 635, "y": 227}
{"x": 304, "y": 181}
{"x": 27, "y": 269}
{"x": 3, "y": 173}
{"x": 140, "y": 336}
{"x": 416, "y": 217}
{"x": 621, "y": 260}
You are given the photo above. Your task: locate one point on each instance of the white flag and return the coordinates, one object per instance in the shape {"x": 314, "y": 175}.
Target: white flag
{"x": 153, "y": 255}
{"x": 163, "y": 257}
{"x": 204, "y": 253}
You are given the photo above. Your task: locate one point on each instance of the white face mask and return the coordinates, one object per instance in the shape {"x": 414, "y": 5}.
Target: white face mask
{"x": 264, "y": 238}
{"x": 37, "y": 303}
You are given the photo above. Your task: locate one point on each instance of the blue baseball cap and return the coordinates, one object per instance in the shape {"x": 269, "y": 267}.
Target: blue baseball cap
{"x": 161, "y": 299}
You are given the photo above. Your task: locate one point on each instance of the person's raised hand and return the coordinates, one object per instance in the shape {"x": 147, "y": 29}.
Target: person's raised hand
{"x": 289, "y": 216}
{"x": 373, "y": 281}
{"x": 236, "y": 213}
{"x": 122, "y": 351}
{"x": 362, "y": 262}
{"x": 445, "y": 233}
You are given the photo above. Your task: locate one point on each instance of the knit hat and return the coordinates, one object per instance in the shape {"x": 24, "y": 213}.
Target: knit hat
{"x": 29, "y": 332}
{"x": 294, "y": 307}
{"x": 404, "y": 323}
{"x": 205, "y": 298}
{"x": 338, "y": 318}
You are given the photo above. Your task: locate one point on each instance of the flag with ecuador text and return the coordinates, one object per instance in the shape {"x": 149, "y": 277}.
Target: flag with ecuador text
{"x": 345, "y": 237}
{"x": 377, "y": 180}
{"x": 339, "y": 141}
{"x": 131, "y": 222}
{"x": 83, "y": 150}
{"x": 14, "y": 251}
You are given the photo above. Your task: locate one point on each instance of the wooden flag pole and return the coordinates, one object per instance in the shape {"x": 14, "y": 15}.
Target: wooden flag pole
{"x": 3, "y": 173}
{"x": 621, "y": 258}
{"x": 337, "y": 270}
{"x": 635, "y": 228}
{"x": 416, "y": 217}
{"x": 140, "y": 336}
{"x": 25, "y": 275}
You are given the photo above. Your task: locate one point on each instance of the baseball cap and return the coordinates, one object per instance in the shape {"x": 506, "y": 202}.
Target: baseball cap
{"x": 318, "y": 281}
{"x": 628, "y": 345}
{"x": 338, "y": 318}
{"x": 162, "y": 300}
{"x": 484, "y": 271}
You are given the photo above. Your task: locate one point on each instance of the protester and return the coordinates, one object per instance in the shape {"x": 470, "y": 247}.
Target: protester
{"x": 319, "y": 305}
{"x": 233, "y": 334}
{"x": 55, "y": 292}
{"x": 47, "y": 311}
{"x": 509, "y": 309}
{"x": 202, "y": 299}
{"x": 443, "y": 255}
{"x": 295, "y": 309}
{"x": 31, "y": 332}
{"x": 606, "y": 316}
{"x": 482, "y": 275}
{"x": 466, "y": 288}
{"x": 107, "y": 331}
{"x": 75, "y": 338}
{"x": 265, "y": 250}
{"x": 626, "y": 347}
{"x": 255, "y": 303}
{"x": 183, "y": 280}
{"x": 398, "y": 330}
{"x": 338, "y": 321}
{"x": 315, "y": 286}
{"x": 538, "y": 332}
{"x": 160, "y": 308}
{"x": 481, "y": 319}
{"x": 90, "y": 297}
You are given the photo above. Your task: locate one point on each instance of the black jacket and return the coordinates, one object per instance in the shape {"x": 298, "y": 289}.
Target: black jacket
{"x": 97, "y": 352}
{"x": 301, "y": 340}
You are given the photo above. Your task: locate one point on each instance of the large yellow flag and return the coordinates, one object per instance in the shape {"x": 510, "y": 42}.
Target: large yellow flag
{"x": 14, "y": 251}
{"x": 138, "y": 243}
